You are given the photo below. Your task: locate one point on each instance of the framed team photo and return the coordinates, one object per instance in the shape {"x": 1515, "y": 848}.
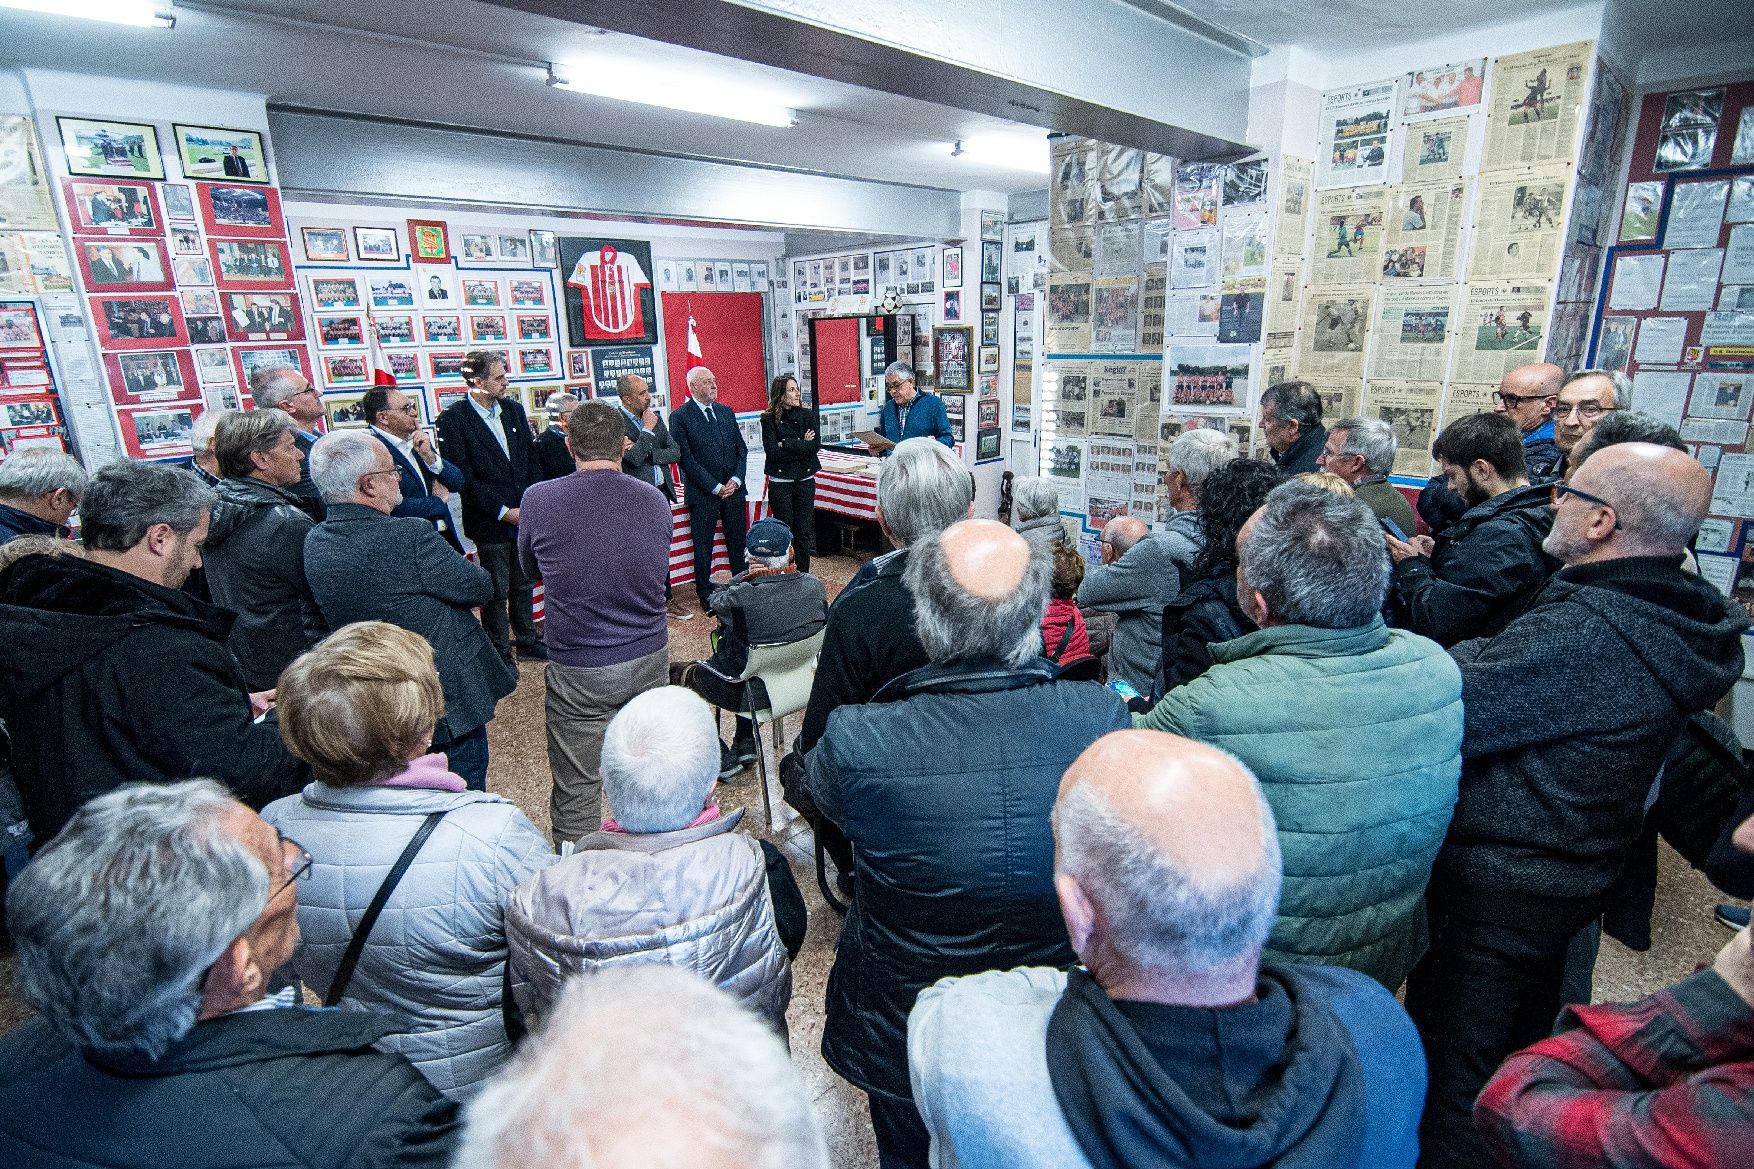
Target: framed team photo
{"x": 535, "y": 328}
{"x": 377, "y": 244}
{"x": 110, "y": 149}
{"x": 210, "y": 152}
{"x": 404, "y": 366}
{"x": 396, "y": 291}
{"x": 344, "y": 369}
{"x": 480, "y": 293}
{"x": 110, "y": 208}
{"x": 535, "y": 362}
{"x": 341, "y": 332}
{"x": 442, "y": 329}
{"x": 241, "y": 212}
{"x": 335, "y": 292}
{"x": 445, "y": 364}
{"x": 486, "y": 327}
{"x": 529, "y": 293}
{"x": 394, "y": 329}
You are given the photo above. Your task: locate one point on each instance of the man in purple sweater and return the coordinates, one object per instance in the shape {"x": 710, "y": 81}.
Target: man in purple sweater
{"x": 599, "y": 541}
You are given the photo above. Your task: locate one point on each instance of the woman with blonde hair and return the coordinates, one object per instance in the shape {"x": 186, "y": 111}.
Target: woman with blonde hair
{"x": 388, "y": 827}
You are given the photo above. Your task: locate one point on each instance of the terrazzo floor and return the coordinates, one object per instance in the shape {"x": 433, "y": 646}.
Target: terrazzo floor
{"x": 1684, "y": 934}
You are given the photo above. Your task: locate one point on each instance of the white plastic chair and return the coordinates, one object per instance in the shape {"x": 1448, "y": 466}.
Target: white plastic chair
{"x": 786, "y": 673}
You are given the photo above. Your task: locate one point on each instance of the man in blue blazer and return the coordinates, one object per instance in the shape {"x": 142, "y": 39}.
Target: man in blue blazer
{"x": 395, "y": 419}
{"x": 909, "y": 413}
{"x": 714, "y": 467}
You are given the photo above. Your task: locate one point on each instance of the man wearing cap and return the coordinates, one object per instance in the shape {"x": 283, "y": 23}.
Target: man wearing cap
{"x": 770, "y": 604}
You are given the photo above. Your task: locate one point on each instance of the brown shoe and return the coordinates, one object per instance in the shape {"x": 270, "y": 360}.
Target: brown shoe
{"x": 677, "y": 610}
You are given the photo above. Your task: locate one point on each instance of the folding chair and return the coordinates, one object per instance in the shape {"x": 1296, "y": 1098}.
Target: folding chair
{"x": 785, "y": 674}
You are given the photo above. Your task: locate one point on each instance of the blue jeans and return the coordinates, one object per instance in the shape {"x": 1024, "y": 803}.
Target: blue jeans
{"x": 466, "y": 755}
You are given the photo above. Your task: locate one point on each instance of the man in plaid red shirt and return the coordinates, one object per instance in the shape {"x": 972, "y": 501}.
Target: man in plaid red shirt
{"x": 1665, "y": 1081}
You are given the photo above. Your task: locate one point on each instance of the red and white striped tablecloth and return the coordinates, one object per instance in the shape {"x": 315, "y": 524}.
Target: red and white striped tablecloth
{"x": 839, "y": 491}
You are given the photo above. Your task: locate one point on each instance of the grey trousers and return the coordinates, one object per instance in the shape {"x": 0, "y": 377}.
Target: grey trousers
{"x": 579, "y": 705}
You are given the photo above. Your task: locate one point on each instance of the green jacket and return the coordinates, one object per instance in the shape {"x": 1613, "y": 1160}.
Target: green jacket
{"x": 1356, "y": 737}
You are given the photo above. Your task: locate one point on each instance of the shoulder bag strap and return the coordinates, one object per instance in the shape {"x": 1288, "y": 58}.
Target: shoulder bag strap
{"x": 1065, "y": 640}
{"x": 356, "y": 945}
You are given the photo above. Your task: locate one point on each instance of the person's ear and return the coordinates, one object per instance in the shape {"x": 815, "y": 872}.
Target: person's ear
{"x": 1255, "y": 605}
{"x": 1480, "y": 471}
{"x": 1076, "y": 908}
{"x": 160, "y": 539}
{"x": 234, "y": 980}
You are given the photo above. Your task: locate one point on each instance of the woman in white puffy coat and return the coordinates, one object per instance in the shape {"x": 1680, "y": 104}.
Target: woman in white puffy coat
{"x": 360, "y": 710}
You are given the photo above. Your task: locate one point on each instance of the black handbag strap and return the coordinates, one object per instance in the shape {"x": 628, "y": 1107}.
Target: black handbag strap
{"x": 356, "y": 945}
{"x": 1065, "y": 640}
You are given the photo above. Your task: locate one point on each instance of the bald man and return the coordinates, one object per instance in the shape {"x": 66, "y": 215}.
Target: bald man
{"x": 1527, "y": 395}
{"x": 714, "y": 469}
{"x": 943, "y": 785}
{"x": 1167, "y": 870}
{"x": 1141, "y": 572}
{"x": 1569, "y": 711}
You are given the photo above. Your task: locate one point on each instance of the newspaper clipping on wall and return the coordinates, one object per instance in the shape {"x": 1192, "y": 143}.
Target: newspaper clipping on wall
{"x": 1069, "y": 189}
{"x": 26, "y": 202}
{"x": 1150, "y": 403}
{"x": 1336, "y": 322}
{"x": 1157, "y": 184}
{"x": 1277, "y": 364}
{"x": 1340, "y": 395}
{"x": 1245, "y": 247}
{"x": 1284, "y": 294}
{"x": 1292, "y": 221}
{"x": 1423, "y": 229}
{"x": 1410, "y": 340}
{"x": 1537, "y": 99}
{"x": 1153, "y": 309}
{"x": 1518, "y": 230}
{"x": 1502, "y": 326}
{"x": 1193, "y": 259}
{"x": 1115, "y": 315}
{"x": 1348, "y": 235}
{"x": 1116, "y": 181}
{"x": 1355, "y": 134}
{"x": 1068, "y": 316}
{"x": 1435, "y": 150}
{"x": 1115, "y": 398}
{"x": 1467, "y": 398}
{"x": 1117, "y": 248}
{"x": 1071, "y": 399}
{"x": 1410, "y": 409}
{"x": 1193, "y": 314}
{"x": 1199, "y": 190}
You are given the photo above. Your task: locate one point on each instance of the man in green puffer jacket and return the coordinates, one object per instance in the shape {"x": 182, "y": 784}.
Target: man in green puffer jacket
{"x": 1354, "y": 729}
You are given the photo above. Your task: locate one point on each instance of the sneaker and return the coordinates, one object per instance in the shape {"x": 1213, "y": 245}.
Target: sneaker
{"x": 729, "y": 765}
{"x": 534, "y": 652}
{"x": 678, "y": 610}
{"x": 1732, "y": 917}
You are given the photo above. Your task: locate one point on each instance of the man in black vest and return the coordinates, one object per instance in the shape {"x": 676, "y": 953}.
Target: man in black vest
{"x": 714, "y": 467}
{"x": 488, "y": 437}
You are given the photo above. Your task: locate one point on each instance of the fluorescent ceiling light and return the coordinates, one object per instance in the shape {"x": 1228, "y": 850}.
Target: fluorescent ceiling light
{"x": 140, "y": 13}
{"x": 1010, "y": 151}
{"x": 627, "y": 81}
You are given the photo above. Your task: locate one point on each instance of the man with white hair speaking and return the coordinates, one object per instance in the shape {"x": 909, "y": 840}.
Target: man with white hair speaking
{"x": 714, "y": 476}
{"x": 1173, "y": 1044}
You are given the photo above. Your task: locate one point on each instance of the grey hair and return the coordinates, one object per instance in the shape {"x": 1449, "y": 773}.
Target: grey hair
{"x": 338, "y": 459}
{"x": 898, "y": 369}
{"x": 922, "y": 489}
{"x": 274, "y": 384}
{"x": 246, "y": 433}
{"x": 119, "y": 916}
{"x": 125, "y": 499}
{"x": 955, "y": 625}
{"x": 558, "y": 399}
{"x": 36, "y": 471}
{"x": 201, "y": 434}
{"x": 1164, "y": 917}
{"x": 1372, "y": 438}
{"x": 1625, "y": 426}
{"x": 771, "y": 561}
{"x": 1621, "y": 383}
{"x": 1317, "y": 558}
{"x": 640, "y": 1056}
{"x": 1033, "y": 496}
{"x": 660, "y": 758}
{"x": 688, "y": 378}
{"x": 1198, "y": 453}
{"x": 1295, "y": 401}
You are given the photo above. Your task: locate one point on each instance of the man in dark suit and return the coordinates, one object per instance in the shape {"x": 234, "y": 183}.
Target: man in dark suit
{"x": 280, "y": 387}
{"x": 426, "y": 479}
{"x": 651, "y": 456}
{"x": 552, "y": 457}
{"x": 236, "y": 165}
{"x": 364, "y": 563}
{"x": 488, "y": 437}
{"x": 714, "y": 463}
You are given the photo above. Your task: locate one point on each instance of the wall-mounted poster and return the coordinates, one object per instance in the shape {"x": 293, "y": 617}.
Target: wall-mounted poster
{"x": 429, "y": 241}
{"x": 123, "y": 265}
{"x": 609, "y": 296}
{"x": 208, "y": 152}
{"x": 954, "y": 348}
{"x": 111, "y": 208}
{"x": 240, "y": 212}
{"x": 115, "y": 149}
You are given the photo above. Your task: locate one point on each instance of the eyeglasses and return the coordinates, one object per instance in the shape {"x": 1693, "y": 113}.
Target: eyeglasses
{"x": 300, "y": 869}
{"x": 888, "y": 385}
{"x": 1513, "y": 400}
{"x": 1561, "y": 490}
{"x": 409, "y": 408}
{"x": 370, "y": 474}
{"x": 1588, "y": 411}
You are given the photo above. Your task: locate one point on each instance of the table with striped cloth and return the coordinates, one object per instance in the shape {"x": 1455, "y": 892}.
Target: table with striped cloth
{"x": 840, "y": 489}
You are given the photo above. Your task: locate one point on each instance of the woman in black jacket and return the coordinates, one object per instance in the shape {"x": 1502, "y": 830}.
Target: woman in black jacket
{"x": 788, "y": 434}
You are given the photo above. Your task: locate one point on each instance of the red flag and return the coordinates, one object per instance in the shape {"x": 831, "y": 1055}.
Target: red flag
{"x": 695, "y": 360}
{"x": 379, "y": 361}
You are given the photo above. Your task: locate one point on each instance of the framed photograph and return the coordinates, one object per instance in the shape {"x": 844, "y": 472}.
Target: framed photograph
{"x": 578, "y": 364}
{"x": 393, "y": 291}
{"x": 986, "y": 444}
{"x": 111, "y": 208}
{"x": 208, "y": 331}
{"x": 953, "y": 267}
{"x": 263, "y": 316}
{"x": 486, "y": 327}
{"x": 989, "y": 328}
{"x": 210, "y": 152}
{"x": 110, "y": 149}
{"x": 992, "y": 258}
{"x": 377, "y": 244}
{"x": 241, "y": 212}
{"x": 953, "y": 306}
{"x": 246, "y": 264}
{"x": 131, "y": 265}
{"x": 341, "y": 332}
{"x": 535, "y": 362}
{"x": 146, "y": 377}
{"x": 992, "y": 228}
{"x": 345, "y": 411}
{"x": 529, "y": 293}
{"x": 992, "y": 296}
{"x": 344, "y": 369}
{"x": 186, "y": 241}
{"x": 475, "y": 249}
{"x": 394, "y": 329}
{"x": 989, "y": 357}
{"x": 445, "y": 364}
{"x": 428, "y": 242}
{"x": 953, "y": 350}
{"x": 251, "y": 358}
{"x": 19, "y": 328}
{"x": 326, "y": 245}
{"x": 213, "y": 366}
{"x": 200, "y": 302}
{"x": 443, "y": 330}
{"x": 179, "y": 202}
{"x": 513, "y": 249}
{"x": 404, "y": 366}
{"x": 139, "y": 322}
{"x": 335, "y": 292}
{"x": 193, "y": 271}
{"x": 986, "y": 413}
{"x": 535, "y": 328}
{"x": 437, "y": 289}
{"x": 159, "y": 432}
{"x": 448, "y": 398}
{"x": 480, "y": 293}
{"x": 544, "y": 249}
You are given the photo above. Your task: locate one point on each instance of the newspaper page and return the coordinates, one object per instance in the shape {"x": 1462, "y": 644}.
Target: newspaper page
{"x": 1117, "y": 248}
{"x": 1245, "y": 247}
{"x": 1117, "y": 171}
{"x": 1336, "y": 322}
{"x": 1193, "y": 259}
{"x": 1410, "y": 409}
{"x": 1348, "y": 235}
{"x": 1241, "y": 310}
{"x": 1205, "y": 379}
{"x": 1068, "y": 316}
{"x": 1071, "y": 249}
{"x": 1518, "y": 229}
{"x": 1537, "y": 100}
{"x": 1354, "y": 130}
{"x": 1114, "y": 315}
{"x": 1284, "y": 293}
{"x": 1424, "y": 229}
{"x": 1070, "y": 196}
{"x": 1153, "y": 308}
{"x": 1441, "y": 88}
{"x": 1157, "y": 184}
{"x": 1467, "y": 398}
{"x": 1155, "y": 241}
{"x": 1062, "y": 461}
{"x": 1147, "y": 486}
{"x": 1114, "y": 397}
{"x": 1067, "y": 388}
{"x": 26, "y": 203}
{"x": 1149, "y": 403}
{"x": 1434, "y": 151}
{"x": 1502, "y": 326}
{"x": 1340, "y": 395}
{"x": 1199, "y": 189}
{"x": 1108, "y": 467}
{"x": 1410, "y": 339}
{"x": 1291, "y": 220}
{"x": 1277, "y": 364}
{"x": 1193, "y": 314}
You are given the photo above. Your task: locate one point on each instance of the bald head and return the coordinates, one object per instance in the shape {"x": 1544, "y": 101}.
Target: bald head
{"x": 1536, "y": 390}
{"x": 979, "y": 590}
{"x": 1658, "y": 497}
{"x": 1122, "y": 532}
{"x": 1173, "y": 850}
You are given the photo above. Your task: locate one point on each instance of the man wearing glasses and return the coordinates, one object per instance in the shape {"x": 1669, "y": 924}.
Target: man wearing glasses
{"x": 1569, "y": 711}
{"x": 1527, "y": 395}
{"x": 426, "y": 479}
{"x": 911, "y": 413}
{"x": 282, "y": 387}
{"x": 1588, "y": 396}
